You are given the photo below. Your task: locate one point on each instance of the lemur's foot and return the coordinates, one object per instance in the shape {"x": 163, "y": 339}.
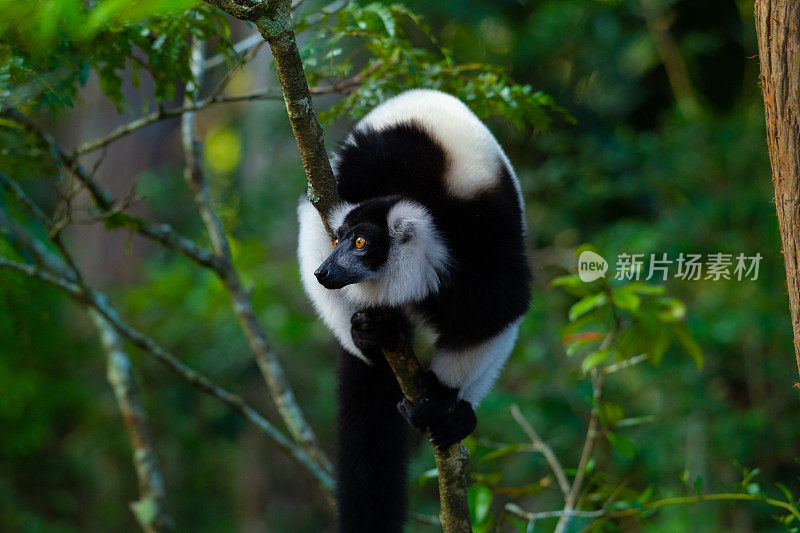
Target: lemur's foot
{"x": 454, "y": 427}
{"x": 373, "y": 329}
{"x": 439, "y": 401}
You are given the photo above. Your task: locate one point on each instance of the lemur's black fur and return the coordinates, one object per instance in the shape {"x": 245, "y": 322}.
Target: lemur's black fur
{"x": 372, "y": 452}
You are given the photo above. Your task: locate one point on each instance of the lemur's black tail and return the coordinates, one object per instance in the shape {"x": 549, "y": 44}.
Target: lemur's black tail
{"x": 372, "y": 448}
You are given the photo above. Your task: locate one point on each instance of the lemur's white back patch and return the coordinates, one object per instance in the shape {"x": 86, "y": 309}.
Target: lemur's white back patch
{"x": 474, "y": 156}
{"x": 418, "y": 260}
{"x": 473, "y": 370}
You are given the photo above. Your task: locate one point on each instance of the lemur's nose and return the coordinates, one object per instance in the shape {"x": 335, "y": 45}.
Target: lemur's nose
{"x": 321, "y": 273}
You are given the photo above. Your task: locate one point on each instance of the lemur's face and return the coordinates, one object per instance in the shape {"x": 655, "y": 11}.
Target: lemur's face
{"x": 360, "y": 249}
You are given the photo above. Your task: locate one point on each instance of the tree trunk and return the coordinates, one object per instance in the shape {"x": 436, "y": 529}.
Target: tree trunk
{"x": 778, "y": 30}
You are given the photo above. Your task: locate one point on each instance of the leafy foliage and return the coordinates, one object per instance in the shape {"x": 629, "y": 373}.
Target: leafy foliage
{"x": 399, "y": 52}
{"x": 49, "y": 48}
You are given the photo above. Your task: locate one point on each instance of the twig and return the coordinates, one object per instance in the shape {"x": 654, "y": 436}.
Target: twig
{"x": 522, "y": 513}
{"x": 630, "y": 361}
{"x": 592, "y": 430}
{"x": 693, "y": 499}
{"x": 163, "y": 114}
{"x": 246, "y": 58}
{"x": 591, "y": 436}
{"x": 240, "y": 47}
{"x": 266, "y": 358}
{"x": 150, "y": 509}
{"x": 540, "y": 446}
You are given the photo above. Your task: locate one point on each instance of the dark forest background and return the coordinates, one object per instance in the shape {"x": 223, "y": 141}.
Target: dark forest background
{"x": 666, "y": 153}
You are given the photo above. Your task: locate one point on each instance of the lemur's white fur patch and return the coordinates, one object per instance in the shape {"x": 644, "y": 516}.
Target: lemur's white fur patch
{"x": 417, "y": 261}
{"x": 313, "y": 247}
{"x": 472, "y": 152}
{"x": 474, "y": 369}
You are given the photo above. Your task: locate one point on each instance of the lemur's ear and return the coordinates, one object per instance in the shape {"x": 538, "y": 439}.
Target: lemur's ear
{"x": 403, "y": 229}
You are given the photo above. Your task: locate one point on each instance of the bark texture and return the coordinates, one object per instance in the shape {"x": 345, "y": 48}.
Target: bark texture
{"x": 778, "y": 30}
{"x": 277, "y": 29}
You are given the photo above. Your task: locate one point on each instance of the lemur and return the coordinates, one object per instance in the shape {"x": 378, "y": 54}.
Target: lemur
{"x": 430, "y": 230}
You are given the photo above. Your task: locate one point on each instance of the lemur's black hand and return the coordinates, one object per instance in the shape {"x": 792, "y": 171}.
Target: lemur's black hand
{"x": 454, "y": 427}
{"x": 376, "y": 328}
{"x": 440, "y": 413}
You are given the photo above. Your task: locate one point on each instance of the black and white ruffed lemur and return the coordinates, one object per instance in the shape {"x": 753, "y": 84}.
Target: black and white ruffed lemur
{"x": 430, "y": 230}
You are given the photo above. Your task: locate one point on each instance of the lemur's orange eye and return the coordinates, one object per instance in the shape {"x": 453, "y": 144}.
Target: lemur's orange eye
{"x": 335, "y": 243}
{"x": 360, "y": 242}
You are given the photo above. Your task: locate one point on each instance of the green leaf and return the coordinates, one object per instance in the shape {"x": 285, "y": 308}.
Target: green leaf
{"x": 594, "y": 359}
{"x": 583, "y": 306}
{"x": 500, "y": 452}
{"x": 626, "y": 300}
{"x": 644, "y": 288}
{"x": 479, "y": 498}
{"x": 611, "y": 413}
{"x": 786, "y": 492}
{"x": 689, "y": 344}
{"x": 491, "y": 479}
{"x": 586, "y": 247}
{"x": 670, "y": 310}
{"x": 573, "y": 285}
{"x": 621, "y": 444}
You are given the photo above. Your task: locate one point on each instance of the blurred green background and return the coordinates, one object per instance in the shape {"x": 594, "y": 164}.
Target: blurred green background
{"x": 666, "y": 154}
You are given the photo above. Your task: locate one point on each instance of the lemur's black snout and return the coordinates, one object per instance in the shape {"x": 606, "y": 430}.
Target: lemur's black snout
{"x": 332, "y": 276}
{"x": 321, "y": 274}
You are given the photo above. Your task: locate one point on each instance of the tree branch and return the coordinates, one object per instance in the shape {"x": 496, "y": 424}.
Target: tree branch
{"x": 540, "y": 446}
{"x": 267, "y": 360}
{"x": 150, "y": 510}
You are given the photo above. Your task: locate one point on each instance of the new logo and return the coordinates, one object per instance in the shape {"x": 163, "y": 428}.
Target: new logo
{"x": 591, "y": 266}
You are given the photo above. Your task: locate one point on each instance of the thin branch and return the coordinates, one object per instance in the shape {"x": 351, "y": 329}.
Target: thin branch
{"x": 540, "y": 446}
{"x": 669, "y": 52}
{"x": 150, "y": 509}
{"x": 99, "y": 302}
{"x": 226, "y": 79}
{"x": 586, "y": 453}
{"x": 267, "y": 360}
{"x": 598, "y": 379}
{"x": 344, "y": 87}
{"x": 693, "y": 499}
{"x": 630, "y": 361}
{"x": 161, "y": 233}
{"x": 527, "y": 515}
{"x": 239, "y": 48}
{"x": 35, "y": 272}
